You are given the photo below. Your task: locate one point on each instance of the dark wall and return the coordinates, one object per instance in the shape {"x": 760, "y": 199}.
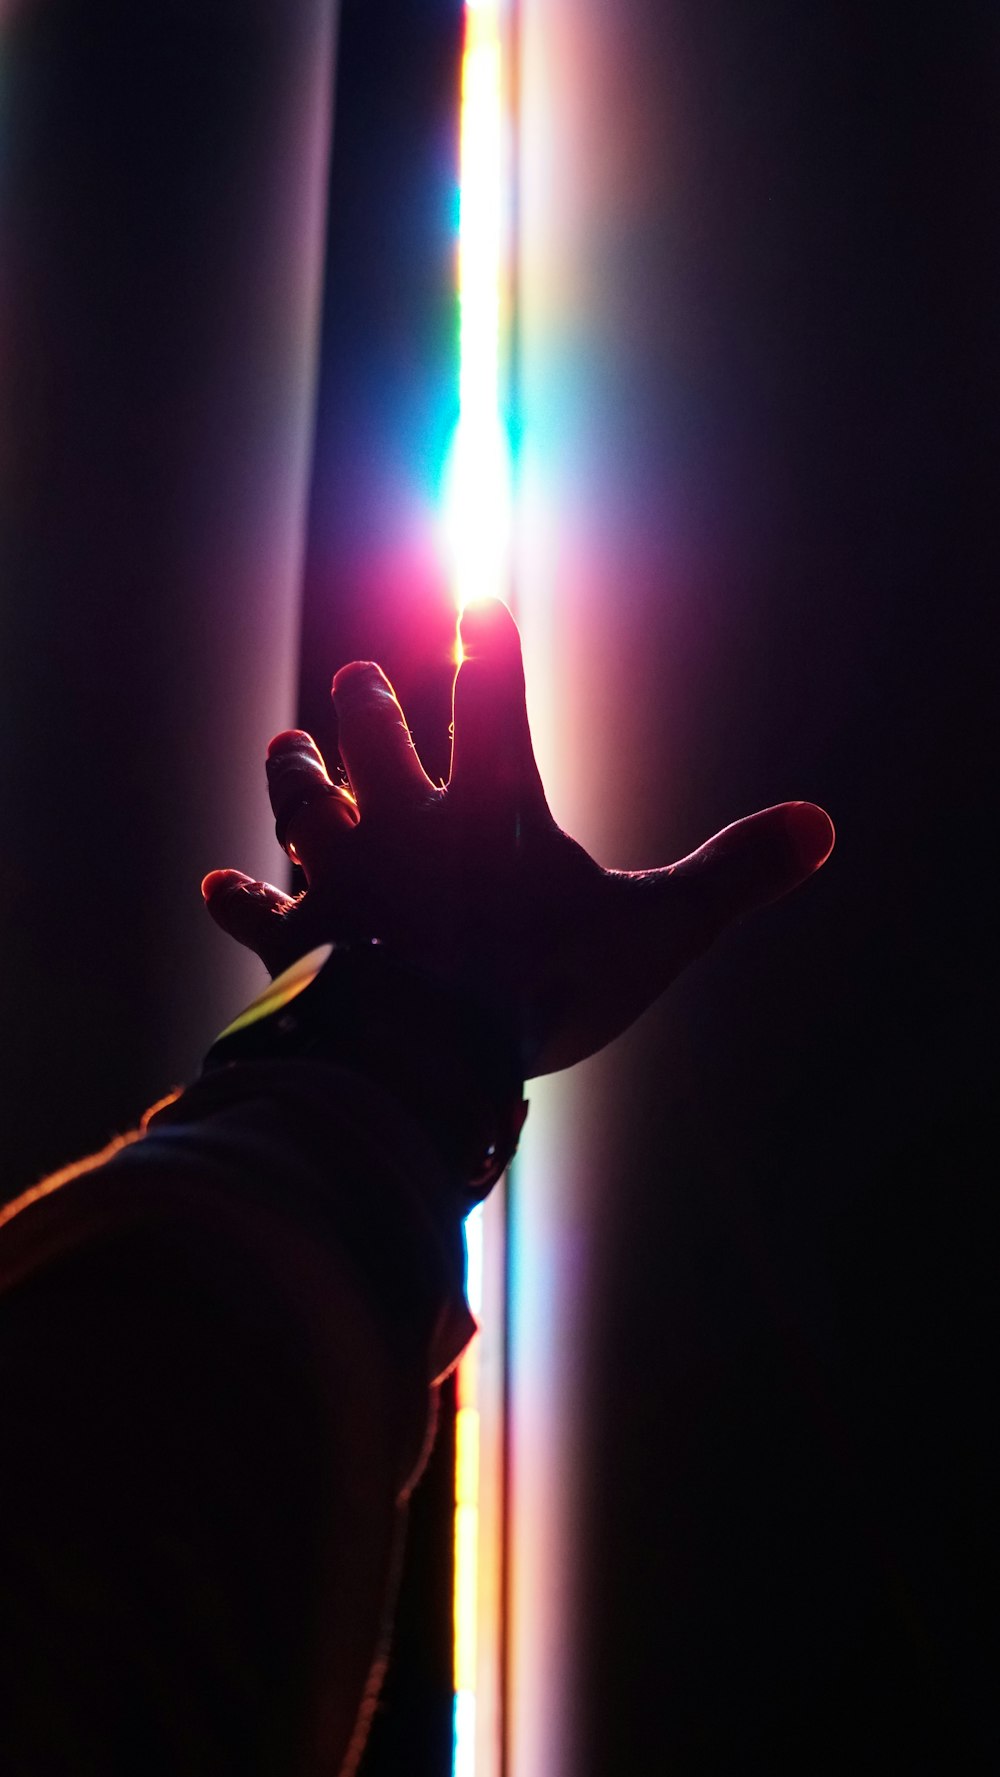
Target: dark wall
{"x": 162, "y": 199}
{"x": 788, "y": 1428}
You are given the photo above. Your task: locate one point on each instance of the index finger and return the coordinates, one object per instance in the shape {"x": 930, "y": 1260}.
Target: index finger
{"x": 492, "y": 757}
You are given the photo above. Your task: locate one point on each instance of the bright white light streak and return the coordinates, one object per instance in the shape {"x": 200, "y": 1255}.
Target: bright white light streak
{"x": 474, "y": 1259}
{"x": 478, "y": 480}
{"x": 465, "y": 1734}
{"x": 480, "y": 214}
{"x": 478, "y": 519}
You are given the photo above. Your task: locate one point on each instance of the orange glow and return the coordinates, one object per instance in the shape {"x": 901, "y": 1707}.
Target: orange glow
{"x": 467, "y": 1457}
{"x": 467, "y": 1389}
{"x": 466, "y": 1589}
{"x": 479, "y": 1503}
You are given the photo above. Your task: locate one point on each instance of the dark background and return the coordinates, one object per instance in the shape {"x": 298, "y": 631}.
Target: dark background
{"x": 785, "y": 1530}
{"x": 787, "y": 1503}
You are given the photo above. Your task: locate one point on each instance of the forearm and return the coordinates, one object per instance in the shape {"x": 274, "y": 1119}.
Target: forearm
{"x": 335, "y": 1153}
{"x": 218, "y": 1342}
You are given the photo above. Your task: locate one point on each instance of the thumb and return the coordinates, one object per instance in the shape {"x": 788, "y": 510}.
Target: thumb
{"x": 251, "y": 912}
{"x": 745, "y": 866}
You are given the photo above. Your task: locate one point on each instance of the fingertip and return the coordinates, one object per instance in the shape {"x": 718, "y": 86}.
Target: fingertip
{"x": 811, "y": 833}
{"x": 294, "y": 738}
{"x": 487, "y": 622}
{"x": 358, "y": 676}
{"x": 218, "y": 882}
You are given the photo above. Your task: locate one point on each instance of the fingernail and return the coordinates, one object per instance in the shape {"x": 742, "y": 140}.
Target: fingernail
{"x": 291, "y": 740}
{"x": 216, "y": 880}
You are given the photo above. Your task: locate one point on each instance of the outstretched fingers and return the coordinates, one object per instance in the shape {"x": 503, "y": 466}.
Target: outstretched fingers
{"x": 492, "y": 758}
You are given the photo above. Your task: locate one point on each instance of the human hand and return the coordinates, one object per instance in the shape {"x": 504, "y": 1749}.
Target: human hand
{"x": 475, "y": 883}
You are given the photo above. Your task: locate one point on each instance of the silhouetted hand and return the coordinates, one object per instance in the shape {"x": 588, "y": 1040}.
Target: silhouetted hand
{"x": 475, "y": 883}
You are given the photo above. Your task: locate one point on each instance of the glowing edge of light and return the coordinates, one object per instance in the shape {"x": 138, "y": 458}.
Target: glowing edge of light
{"x": 478, "y": 518}
{"x": 465, "y": 1655}
{"x": 477, "y": 492}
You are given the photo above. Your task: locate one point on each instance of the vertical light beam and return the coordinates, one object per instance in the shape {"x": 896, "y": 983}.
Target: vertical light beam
{"x": 478, "y": 520}
{"x": 478, "y": 478}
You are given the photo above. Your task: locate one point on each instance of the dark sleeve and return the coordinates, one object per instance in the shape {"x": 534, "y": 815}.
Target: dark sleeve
{"x": 199, "y": 1513}
{"x": 217, "y": 1350}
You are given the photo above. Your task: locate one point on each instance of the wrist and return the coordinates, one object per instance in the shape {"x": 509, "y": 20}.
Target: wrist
{"x": 440, "y": 1055}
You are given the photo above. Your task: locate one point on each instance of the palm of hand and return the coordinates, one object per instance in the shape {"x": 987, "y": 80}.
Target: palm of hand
{"x": 476, "y": 884}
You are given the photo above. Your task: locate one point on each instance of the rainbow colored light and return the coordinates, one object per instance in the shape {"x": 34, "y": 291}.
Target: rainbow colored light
{"x": 478, "y": 479}
{"x": 467, "y": 1526}
{"x": 478, "y": 516}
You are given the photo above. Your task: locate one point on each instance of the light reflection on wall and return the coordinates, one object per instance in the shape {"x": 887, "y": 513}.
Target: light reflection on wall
{"x": 581, "y": 568}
